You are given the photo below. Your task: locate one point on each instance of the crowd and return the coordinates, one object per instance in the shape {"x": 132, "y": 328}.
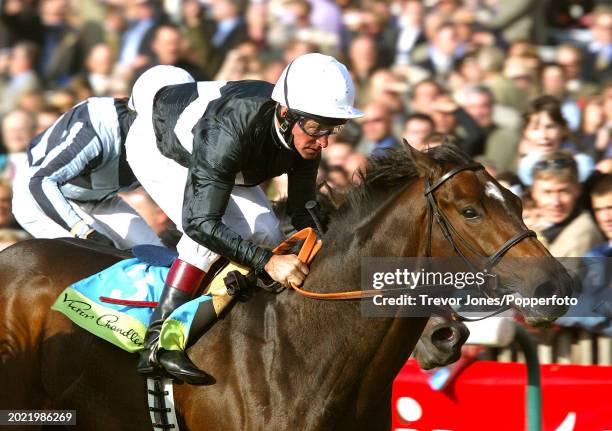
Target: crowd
{"x": 523, "y": 86}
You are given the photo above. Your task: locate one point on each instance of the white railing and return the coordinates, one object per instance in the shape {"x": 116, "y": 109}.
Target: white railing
{"x": 554, "y": 346}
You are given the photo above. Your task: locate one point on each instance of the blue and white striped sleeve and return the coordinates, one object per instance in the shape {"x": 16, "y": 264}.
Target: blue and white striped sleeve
{"x": 79, "y": 150}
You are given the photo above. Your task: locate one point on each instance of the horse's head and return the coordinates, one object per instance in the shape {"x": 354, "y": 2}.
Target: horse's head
{"x": 468, "y": 213}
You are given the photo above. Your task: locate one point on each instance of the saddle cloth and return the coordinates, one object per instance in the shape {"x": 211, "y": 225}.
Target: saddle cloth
{"x": 116, "y": 304}
{"x": 134, "y": 283}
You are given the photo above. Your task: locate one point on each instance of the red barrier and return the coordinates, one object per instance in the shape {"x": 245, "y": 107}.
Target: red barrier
{"x": 491, "y": 396}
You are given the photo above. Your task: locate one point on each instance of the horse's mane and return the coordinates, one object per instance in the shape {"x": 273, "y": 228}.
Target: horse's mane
{"x": 386, "y": 174}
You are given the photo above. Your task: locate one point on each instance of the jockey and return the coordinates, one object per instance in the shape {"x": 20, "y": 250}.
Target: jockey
{"x": 76, "y": 167}
{"x": 200, "y": 150}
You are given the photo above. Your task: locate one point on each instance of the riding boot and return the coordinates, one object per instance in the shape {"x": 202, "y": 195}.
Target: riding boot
{"x": 175, "y": 362}
{"x": 182, "y": 282}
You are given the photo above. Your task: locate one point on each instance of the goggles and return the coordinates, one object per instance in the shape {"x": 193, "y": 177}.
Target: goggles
{"x": 315, "y": 129}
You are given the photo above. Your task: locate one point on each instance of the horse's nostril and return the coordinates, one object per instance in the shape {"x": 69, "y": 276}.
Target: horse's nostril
{"x": 546, "y": 290}
{"x": 444, "y": 335}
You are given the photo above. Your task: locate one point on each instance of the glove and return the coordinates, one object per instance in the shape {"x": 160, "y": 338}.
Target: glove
{"x": 96, "y": 236}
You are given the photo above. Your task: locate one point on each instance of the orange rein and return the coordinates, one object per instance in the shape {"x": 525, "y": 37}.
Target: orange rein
{"x": 309, "y": 250}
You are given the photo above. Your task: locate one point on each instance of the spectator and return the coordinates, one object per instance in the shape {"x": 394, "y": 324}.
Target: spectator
{"x": 523, "y": 72}
{"x": 531, "y": 214}
{"x": 297, "y": 25}
{"x": 570, "y": 58}
{"x": 98, "y": 70}
{"x": 17, "y": 130}
{"x": 424, "y": 93}
{"x": 416, "y": 128}
{"x": 514, "y": 19}
{"x": 490, "y": 60}
{"x": 458, "y": 126}
{"x": 32, "y": 100}
{"x": 60, "y": 57}
{"x": 363, "y": 61}
{"x": 501, "y": 143}
{"x": 593, "y": 310}
{"x": 20, "y": 76}
{"x": 595, "y": 134}
{"x": 137, "y": 37}
{"x": 213, "y": 38}
{"x": 389, "y": 88}
{"x": 554, "y": 83}
{"x": 603, "y": 138}
{"x": 566, "y": 229}
{"x": 544, "y": 133}
{"x": 443, "y": 52}
{"x": 105, "y": 29}
{"x": 601, "y": 204}
{"x": 410, "y": 30}
{"x": 354, "y": 163}
{"x": 63, "y": 99}
{"x": 337, "y": 153}
{"x": 338, "y": 179}
{"x": 167, "y": 49}
{"x": 19, "y": 21}
{"x": 377, "y": 129}
{"x": 597, "y": 64}
{"x": 434, "y": 140}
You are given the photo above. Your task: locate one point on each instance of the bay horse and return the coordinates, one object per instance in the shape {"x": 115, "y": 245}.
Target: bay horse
{"x": 280, "y": 361}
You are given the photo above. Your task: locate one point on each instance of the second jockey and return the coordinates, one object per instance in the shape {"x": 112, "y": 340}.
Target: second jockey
{"x": 76, "y": 167}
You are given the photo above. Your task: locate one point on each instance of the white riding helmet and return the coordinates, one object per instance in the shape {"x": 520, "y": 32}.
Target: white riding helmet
{"x": 317, "y": 84}
{"x": 151, "y": 81}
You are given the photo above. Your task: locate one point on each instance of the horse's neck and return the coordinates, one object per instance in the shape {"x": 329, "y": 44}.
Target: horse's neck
{"x": 342, "y": 360}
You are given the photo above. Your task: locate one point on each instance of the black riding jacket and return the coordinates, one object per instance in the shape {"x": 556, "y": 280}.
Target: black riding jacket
{"x": 235, "y": 143}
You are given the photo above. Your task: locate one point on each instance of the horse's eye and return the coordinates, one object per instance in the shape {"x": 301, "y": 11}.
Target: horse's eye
{"x": 469, "y": 213}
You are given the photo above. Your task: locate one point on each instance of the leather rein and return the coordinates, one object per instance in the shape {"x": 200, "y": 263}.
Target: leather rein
{"x": 449, "y": 232}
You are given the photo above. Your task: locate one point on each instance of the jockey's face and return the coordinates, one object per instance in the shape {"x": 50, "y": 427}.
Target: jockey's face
{"x": 306, "y": 145}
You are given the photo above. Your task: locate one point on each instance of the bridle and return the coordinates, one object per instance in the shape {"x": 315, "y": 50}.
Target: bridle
{"x": 448, "y": 229}
{"x": 449, "y": 232}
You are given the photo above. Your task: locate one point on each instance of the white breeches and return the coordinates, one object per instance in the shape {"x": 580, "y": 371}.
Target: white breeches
{"x": 112, "y": 217}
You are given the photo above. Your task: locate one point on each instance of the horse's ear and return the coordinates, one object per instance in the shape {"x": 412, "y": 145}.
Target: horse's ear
{"x": 421, "y": 160}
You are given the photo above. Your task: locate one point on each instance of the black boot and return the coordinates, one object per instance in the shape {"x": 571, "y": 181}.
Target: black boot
{"x": 182, "y": 282}
{"x": 170, "y": 300}
{"x": 179, "y": 366}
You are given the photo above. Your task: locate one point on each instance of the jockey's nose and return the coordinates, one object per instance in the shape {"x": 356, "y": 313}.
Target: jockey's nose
{"x": 323, "y": 141}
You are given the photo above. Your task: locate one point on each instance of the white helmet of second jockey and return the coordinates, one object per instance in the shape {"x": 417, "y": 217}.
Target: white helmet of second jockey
{"x": 151, "y": 81}
{"x": 316, "y": 86}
